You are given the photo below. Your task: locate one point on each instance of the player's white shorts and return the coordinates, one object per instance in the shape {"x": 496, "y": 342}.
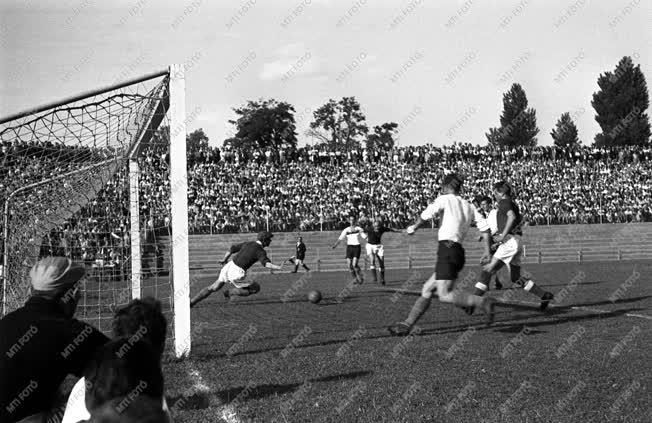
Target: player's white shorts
{"x": 510, "y": 251}
{"x": 233, "y": 274}
{"x": 375, "y": 249}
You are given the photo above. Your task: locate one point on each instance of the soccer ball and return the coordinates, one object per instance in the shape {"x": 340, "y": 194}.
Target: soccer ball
{"x": 314, "y": 297}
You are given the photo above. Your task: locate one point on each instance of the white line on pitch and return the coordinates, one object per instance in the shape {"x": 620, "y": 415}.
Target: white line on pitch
{"x": 227, "y": 412}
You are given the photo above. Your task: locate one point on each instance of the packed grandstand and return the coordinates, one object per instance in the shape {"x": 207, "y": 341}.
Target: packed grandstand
{"x": 311, "y": 188}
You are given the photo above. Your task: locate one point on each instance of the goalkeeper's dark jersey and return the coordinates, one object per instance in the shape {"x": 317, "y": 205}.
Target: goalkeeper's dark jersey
{"x": 248, "y": 254}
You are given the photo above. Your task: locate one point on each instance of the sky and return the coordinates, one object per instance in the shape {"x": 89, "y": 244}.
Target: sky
{"x": 437, "y": 68}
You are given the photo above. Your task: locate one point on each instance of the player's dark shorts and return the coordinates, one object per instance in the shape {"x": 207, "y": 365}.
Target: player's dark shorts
{"x": 450, "y": 260}
{"x": 352, "y": 251}
{"x": 301, "y": 257}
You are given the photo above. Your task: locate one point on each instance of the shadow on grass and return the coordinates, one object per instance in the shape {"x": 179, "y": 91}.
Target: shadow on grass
{"x": 565, "y": 308}
{"x": 200, "y": 401}
{"x": 552, "y": 317}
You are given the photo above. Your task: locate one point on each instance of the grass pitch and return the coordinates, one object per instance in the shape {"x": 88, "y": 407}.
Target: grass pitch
{"x": 275, "y": 357}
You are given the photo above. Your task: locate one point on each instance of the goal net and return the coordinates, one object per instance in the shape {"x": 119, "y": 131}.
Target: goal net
{"x": 101, "y": 178}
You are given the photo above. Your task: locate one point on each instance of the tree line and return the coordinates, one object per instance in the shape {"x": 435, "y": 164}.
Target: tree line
{"x": 619, "y": 104}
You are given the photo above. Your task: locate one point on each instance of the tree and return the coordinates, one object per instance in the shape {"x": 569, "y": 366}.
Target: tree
{"x": 620, "y": 105}
{"x": 565, "y": 132}
{"x": 340, "y": 124}
{"x": 196, "y": 141}
{"x": 382, "y": 138}
{"x": 518, "y": 124}
{"x": 264, "y": 124}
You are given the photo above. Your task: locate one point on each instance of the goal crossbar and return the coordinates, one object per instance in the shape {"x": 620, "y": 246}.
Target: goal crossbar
{"x": 83, "y": 96}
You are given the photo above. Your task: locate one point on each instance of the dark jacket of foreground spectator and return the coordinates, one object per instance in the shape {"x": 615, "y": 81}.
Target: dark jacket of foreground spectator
{"x": 41, "y": 343}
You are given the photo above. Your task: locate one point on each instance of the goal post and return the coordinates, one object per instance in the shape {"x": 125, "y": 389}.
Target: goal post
{"x": 101, "y": 178}
{"x": 179, "y": 209}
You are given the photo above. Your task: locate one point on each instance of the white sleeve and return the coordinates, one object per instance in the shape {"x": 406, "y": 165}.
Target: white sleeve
{"x": 480, "y": 221}
{"x": 343, "y": 236}
{"x": 432, "y": 210}
{"x": 76, "y": 408}
{"x": 363, "y": 234}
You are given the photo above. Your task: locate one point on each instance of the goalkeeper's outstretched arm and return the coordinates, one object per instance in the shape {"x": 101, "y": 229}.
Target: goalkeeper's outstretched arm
{"x": 273, "y": 266}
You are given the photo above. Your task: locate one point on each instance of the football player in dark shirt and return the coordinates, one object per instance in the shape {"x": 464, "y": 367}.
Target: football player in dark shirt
{"x": 375, "y": 250}
{"x": 235, "y": 271}
{"x": 299, "y": 256}
{"x": 509, "y": 250}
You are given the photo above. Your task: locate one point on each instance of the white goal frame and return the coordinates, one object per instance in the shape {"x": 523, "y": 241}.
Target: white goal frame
{"x": 176, "y": 111}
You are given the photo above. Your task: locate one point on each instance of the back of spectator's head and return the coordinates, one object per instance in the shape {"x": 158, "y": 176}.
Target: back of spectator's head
{"x": 142, "y": 318}
{"x": 452, "y": 182}
{"x": 58, "y": 278}
{"x": 125, "y": 410}
{"x": 123, "y": 367}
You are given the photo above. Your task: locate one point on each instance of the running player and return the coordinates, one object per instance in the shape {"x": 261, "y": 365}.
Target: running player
{"x": 456, "y": 217}
{"x": 375, "y": 250}
{"x": 235, "y": 271}
{"x": 352, "y": 234}
{"x": 509, "y": 248}
{"x": 299, "y": 256}
{"x": 489, "y": 213}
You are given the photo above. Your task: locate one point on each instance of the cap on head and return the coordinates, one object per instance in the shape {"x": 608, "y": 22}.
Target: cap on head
{"x": 55, "y": 273}
{"x": 452, "y": 181}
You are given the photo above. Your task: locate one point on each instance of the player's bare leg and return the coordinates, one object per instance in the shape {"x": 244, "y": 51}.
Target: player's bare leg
{"x": 446, "y": 295}
{"x": 515, "y": 275}
{"x": 302, "y": 264}
{"x": 357, "y": 271}
{"x": 349, "y": 263}
{"x": 381, "y": 269}
{"x": 372, "y": 266}
{"x": 216, "y": 286}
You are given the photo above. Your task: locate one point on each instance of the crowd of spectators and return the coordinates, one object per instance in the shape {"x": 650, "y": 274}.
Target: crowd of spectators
{"x": 313, "y": 188}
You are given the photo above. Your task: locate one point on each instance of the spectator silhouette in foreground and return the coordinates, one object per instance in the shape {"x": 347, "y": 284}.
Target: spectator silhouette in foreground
{"x": 41, "y": 343}
{"x": 125, "y": 370}
{"x": 141, "y": 320}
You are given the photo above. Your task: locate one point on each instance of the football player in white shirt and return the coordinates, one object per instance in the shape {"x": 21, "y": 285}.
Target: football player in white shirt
{"x": 489, "y": 212}
{"x": 456, "y": 217}
{"x": 352, "y": 234}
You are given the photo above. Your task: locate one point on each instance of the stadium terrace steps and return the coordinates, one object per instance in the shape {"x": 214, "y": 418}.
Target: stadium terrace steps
{"x": 543, "y": 244}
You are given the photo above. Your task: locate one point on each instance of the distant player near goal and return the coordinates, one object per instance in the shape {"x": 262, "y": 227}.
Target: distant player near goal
{"x": 375, "y": 249}
{"x": 509, "y": 249}
{"x": 457, "y": 216}
{"x": 235, "y": 271}
{"x": 352, "y": 234}
{"x": 299, "y": 256}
